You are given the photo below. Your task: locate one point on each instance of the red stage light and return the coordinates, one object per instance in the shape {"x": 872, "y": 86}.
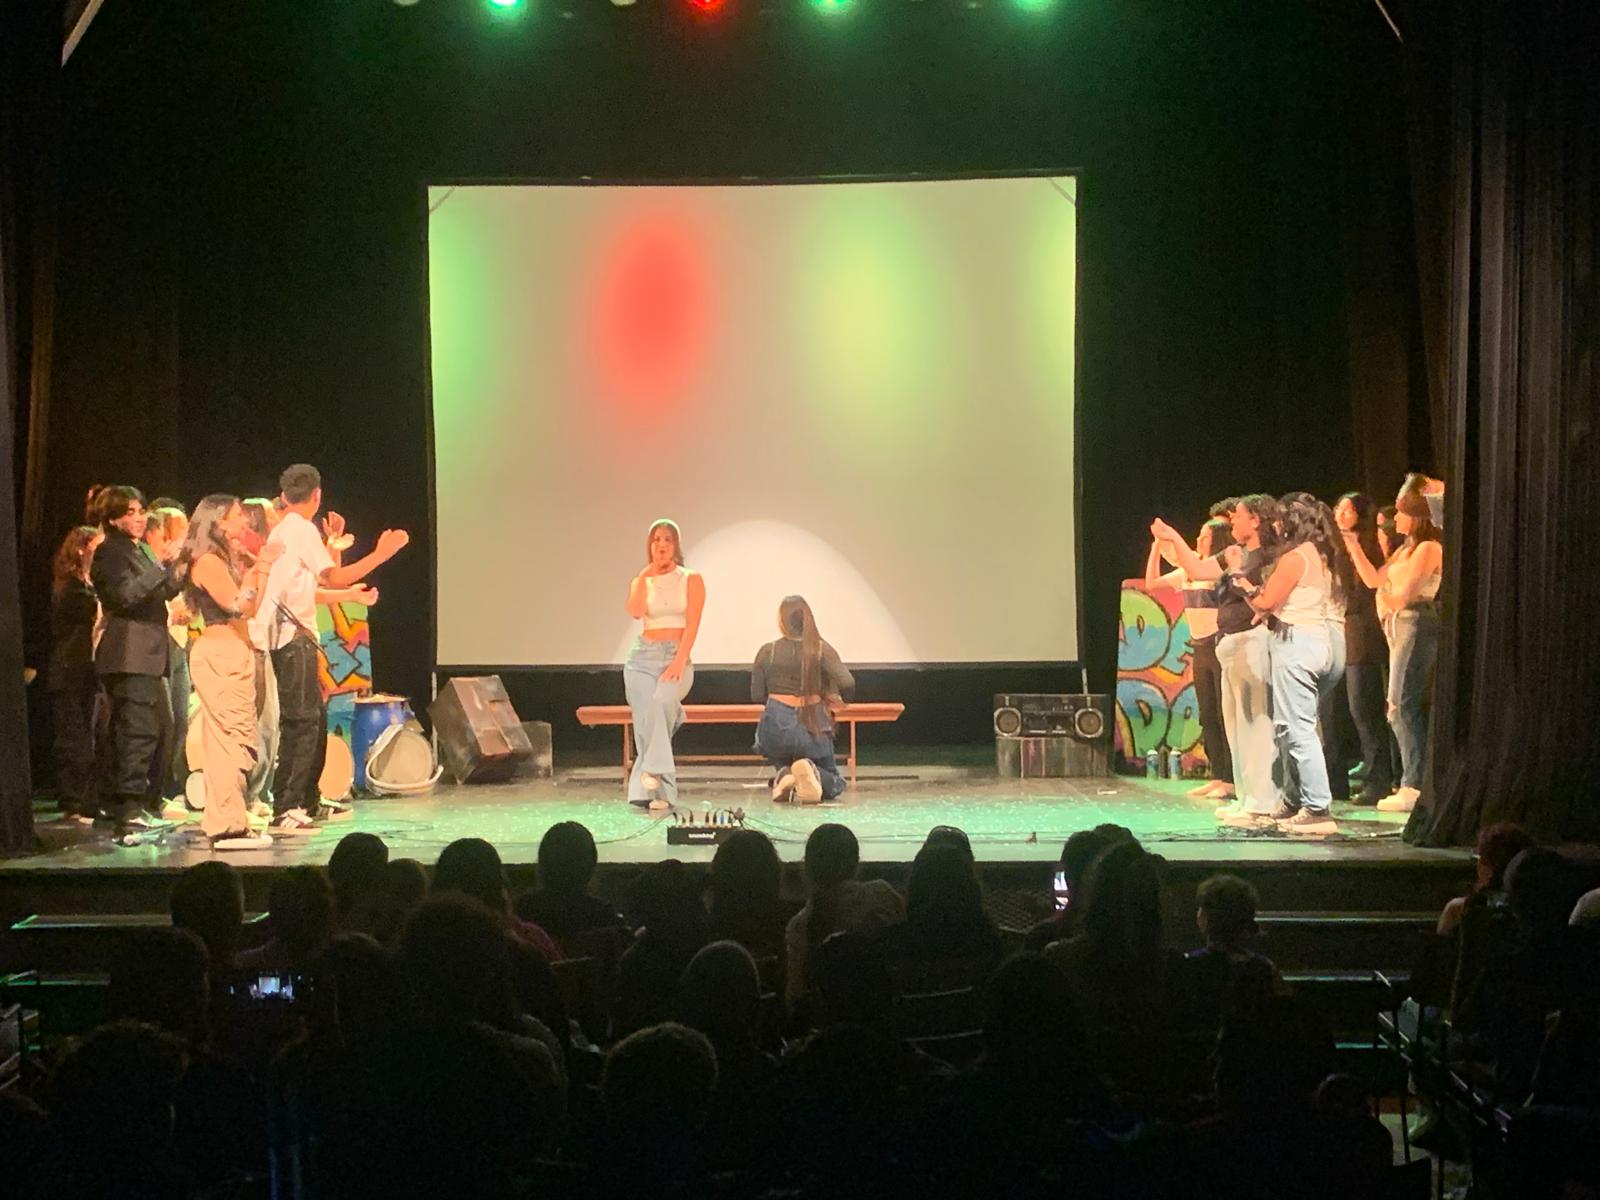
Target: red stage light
{"x": 706, "y": 6}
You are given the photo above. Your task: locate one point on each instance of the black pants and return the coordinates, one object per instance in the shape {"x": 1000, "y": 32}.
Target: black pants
{"x": 302, "y": 725}
{"x": 1208, "y": 696}
{"x": 72, "y": 721}
{"x": 140, "y": 738}
{"x": 1338, "y": 737}
{"x": 1369, "y": 711}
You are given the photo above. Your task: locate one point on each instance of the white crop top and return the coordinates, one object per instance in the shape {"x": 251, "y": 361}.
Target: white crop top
{"x": 1310, "y": 600}
{"x": 666, "y": 600}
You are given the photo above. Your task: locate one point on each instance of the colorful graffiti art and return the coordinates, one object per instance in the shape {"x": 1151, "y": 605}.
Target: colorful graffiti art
{"x": 344, "y": 661}
{"x": 1156, "y": 707}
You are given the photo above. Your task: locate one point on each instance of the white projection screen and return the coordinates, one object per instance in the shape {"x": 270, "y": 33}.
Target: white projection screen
{"x": 860, "y": 391}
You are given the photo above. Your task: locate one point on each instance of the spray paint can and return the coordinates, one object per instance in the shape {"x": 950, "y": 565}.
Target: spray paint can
{"x": 1174, "y": 765}
{"x": 1152, "y": 765}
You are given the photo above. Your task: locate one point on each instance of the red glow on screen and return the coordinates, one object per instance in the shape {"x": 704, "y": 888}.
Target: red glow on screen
{"x": 650, "y": 318}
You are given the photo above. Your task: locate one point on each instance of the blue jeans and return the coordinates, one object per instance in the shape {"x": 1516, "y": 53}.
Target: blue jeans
{"x": 1413, "y": 647}
{"x": 1306, "y": 661}
{"x": 657, "y": 713}
{"x": 782, "y": 738}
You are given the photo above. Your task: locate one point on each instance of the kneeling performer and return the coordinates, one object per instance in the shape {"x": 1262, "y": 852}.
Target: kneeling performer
{"x": 800, "y": 680}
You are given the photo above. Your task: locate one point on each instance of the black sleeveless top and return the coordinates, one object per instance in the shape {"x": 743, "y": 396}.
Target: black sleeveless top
{"x": 209, "y": 610}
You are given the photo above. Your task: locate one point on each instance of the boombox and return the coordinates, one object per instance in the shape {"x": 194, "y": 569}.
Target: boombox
{"x": 1041, "y": 735}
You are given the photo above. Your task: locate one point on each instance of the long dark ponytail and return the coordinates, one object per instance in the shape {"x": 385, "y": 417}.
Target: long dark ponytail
{"x": 794, "y": 615}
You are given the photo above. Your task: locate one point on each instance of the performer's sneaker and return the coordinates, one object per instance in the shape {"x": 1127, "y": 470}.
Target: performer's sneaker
{"x": 807, "y": 783}
{"x": 1403, "y": 801}
{"x": 1231, "y": 809}
{"x": 1244, "y": 819}
{"x": 658, "y": 805}
{"x": 1283, "y": 812}
{"x": 1310, "y": 823}
{"x": 294, "y": 823}
{"x": 334, "y": 810}
{"x": 241, "y": 839}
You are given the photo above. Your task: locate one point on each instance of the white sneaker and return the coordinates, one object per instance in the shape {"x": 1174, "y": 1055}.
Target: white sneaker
{"x": 1403, "y": 801}
{"x": 658, "y": 805}
{"x": 294, "y": 823}
{"x": 807, "y": 783}
{"x": 242, "y": 841}
{"x": 1306, "y": 823}
{"x": 1231, "y": 809}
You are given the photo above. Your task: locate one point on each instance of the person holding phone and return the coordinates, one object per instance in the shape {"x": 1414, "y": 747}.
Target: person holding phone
{"x": 668, "y": 599}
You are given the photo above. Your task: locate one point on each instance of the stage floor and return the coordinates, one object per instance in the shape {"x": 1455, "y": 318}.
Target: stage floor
{"x": 891, "y": 810}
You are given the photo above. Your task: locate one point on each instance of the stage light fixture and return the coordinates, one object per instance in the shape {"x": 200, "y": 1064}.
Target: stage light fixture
{"x": 505, "y": 5}
{"x": 706, "y": 6}
{"x": 833, "y": 7}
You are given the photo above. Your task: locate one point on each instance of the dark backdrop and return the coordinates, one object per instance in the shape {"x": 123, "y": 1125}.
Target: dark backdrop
{"x": 242, "y": 263}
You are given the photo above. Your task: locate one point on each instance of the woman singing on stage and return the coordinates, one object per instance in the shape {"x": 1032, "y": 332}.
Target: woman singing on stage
{"x": 799, "y": 678}
{"x": 669, "y": 598}
{"x": 222, "y": 663}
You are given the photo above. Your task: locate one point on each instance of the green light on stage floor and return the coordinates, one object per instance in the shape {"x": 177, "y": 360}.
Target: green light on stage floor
{"x": 833, "y": 6}
{"x": 1034, "y": 6}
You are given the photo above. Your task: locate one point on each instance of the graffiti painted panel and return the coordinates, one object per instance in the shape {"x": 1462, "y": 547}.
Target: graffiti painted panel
{"x": 344, "y": 661}
{"x": 1156, "y": 708}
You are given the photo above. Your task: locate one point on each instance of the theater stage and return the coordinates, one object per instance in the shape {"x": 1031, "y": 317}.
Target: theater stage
{"x": 1016, "y": 828}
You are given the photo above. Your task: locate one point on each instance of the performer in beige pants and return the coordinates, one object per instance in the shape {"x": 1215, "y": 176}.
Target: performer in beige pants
{"x": 225, "y": 593}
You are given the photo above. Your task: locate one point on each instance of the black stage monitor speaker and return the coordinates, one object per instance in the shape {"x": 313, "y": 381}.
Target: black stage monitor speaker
{"x": 480, "y": 738}
{"x": 1043, "y": 735}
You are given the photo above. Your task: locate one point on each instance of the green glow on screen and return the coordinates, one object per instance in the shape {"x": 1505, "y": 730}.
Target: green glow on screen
{"x": 465, "y": 312}
{"x": 870, "y": 297}
{"x": 1050, "y": 268}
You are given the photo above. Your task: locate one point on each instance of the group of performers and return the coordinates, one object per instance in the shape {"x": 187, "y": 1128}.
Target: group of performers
{"x": 798, "y": 677}
{"x": 1286, "y": 598}
{"x": 129, "y": 587}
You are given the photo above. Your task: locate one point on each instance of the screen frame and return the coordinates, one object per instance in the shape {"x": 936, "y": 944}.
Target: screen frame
{"x": 459, "y": 181}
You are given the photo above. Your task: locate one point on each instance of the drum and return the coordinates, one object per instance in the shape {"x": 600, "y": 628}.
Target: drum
{"x": 400, "y": 762}
{"x": 338, "y": 770}
{"x": 194, "y": 791}
{"x": 374, "y": 714}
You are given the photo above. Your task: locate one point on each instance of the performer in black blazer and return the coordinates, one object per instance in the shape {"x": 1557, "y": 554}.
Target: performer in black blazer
{"x": 132, "y": 660}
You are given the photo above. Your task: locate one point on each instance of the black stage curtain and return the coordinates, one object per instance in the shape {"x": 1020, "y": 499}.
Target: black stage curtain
{"x": 1519, "y": 194}
{"x": 30, "y": 59}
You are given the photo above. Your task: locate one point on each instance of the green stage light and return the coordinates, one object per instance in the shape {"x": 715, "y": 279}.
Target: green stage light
{"x": 505, "y": 4}
{"x": 833, "y": 6}
{"x": 1035, "y": 6}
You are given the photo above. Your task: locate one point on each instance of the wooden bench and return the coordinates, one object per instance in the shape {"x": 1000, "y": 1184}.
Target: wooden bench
{"x": 849, "y": 717}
